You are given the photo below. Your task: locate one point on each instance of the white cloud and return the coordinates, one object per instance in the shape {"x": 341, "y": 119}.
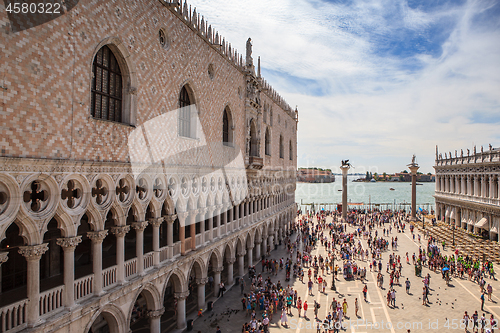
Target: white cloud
{"x": 379, "y": 108}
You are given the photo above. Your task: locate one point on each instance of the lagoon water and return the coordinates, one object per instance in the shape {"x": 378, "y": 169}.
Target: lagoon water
{"x": 361, "y": 192}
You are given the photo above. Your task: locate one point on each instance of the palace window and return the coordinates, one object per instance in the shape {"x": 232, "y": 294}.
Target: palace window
{"x": 106, "y": 102}
{"x": 186, "y": 124}
{"x": 227, "y": 132}
{"x": 281, "y": 146}
{"x": 291, "y": 151}
{"x": 268, "y": 142}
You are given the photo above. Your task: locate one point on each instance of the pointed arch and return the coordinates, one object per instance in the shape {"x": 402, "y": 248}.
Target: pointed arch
{"x": 122, "y": 76}
{"x": 254, "y": 147}
{"x": 267, "y": 141}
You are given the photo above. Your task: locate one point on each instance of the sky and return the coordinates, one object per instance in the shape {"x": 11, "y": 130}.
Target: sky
{"x": 375, "y": 81}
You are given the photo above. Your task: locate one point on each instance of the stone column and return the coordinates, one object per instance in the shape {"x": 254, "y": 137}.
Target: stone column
{"x": 264, "y": 244}
{"x": 270, "y": 242}
{"x": 33, "y": 253}
{"x": 217, "y": 271}
{"x": 250, "y": 256}
{"x": 69, "y": 244}
{"x": 469, "y": 185}
{"x": 257, "y": 250}
{"x": 345, "y": 169}
{"x": 217, "y": 222}
{"x": 181, "y": 308}
{"x": 230, "y": 221}
{"x": 446, "y": 184}
{"x": 241, "y": 263}
{"x": 156, "y": 223}
{"x": 192, "y": 227}
{"x": 413, "y": 168}
{"x": 201, "y": 292}
{"x": 230, "y": 273}
{"x": 476, "y": 186}
{"x": 170, "y": 235}
{"x": 139, "y": 244}
{"x": 492, "y": 187}
{"x": 237, "y": 217}
{"x": 97, "y": 237}
{"x": 182, "y": 232}
{"x": 211, "y": 225}
{"x": 155, "y": 320}
{"x": 120, "y": 233}
{"x": 462, "y": 180}
{"x": 483, "y": 186}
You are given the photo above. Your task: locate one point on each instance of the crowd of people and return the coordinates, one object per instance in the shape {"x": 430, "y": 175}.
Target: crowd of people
{"x": 348, "y": 250}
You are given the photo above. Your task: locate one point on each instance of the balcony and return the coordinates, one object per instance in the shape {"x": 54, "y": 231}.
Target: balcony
{"x": 255, "y": 162}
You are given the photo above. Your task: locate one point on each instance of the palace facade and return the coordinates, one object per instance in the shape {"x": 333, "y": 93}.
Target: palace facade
{"x": 467, "y": 190}
{"x": 143, "y": 161}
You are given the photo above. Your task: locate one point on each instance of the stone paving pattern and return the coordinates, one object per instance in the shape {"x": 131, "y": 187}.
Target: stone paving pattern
{"x": 446, "y": 303}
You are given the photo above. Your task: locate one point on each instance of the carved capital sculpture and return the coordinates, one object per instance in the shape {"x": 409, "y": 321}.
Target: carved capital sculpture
{"x": 33, "y": 252}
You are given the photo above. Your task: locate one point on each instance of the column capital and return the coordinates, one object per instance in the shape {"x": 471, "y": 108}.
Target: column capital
{"x": 250, "y": 248}
{"x": 231, "y": 261}
{"x": 156, "y": 222}
{"x": 139, "y": 226}
{"x": 120, "y": 231}
{"x": 97, "y": 236}
{"x": 182, "y": 295}
{"x": 69, "y": 242}
{"x": 258, "y": 241}
{"x": 170, "y": 218}
{"x": 218, "y": 269}
{"x": 155, "y": 314}
{"x": 4, "y": 256}
{"x": 195, "y": 211}
{"x": 202, "y": 280}
{"x": 242, "y": 253}
{"x": 33, "y": 252}
{"x": 182, "y": 215}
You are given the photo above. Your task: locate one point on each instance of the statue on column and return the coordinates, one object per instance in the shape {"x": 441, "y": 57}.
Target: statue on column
{"x": 249, "y": 59}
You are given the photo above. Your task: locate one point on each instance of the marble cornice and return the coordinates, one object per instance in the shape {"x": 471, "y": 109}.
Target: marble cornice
{"x": 484, "y": 207}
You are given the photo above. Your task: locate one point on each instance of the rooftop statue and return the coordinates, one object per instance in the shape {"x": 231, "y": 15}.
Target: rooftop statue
{"x": 249, "y": 58}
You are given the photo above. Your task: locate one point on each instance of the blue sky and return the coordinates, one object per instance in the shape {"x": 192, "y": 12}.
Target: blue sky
{"x": 376, "y": 81}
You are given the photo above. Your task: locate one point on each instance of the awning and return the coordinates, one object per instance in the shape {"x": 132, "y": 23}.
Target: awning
{"x": 470, "y": 221}
{"x": 494, "y": 229}
{"x": 452, "y": 215}
{"x": 482, "y": 222}
{"x": 447, "y": 214}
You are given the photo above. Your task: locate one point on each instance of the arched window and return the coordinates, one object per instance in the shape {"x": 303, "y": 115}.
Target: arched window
{"x": 268, "y": 142}
{"x": 281, "y": 146}
{"x": 106, "y": 102}
{"x": 227, "y": 131}
{"x": 291, "y": 151}
{"x": 254, "y": 149}
{"x": 185, "y": 124}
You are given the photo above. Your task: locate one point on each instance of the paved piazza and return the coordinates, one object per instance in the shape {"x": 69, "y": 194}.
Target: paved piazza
{"x": 446, "y": 307}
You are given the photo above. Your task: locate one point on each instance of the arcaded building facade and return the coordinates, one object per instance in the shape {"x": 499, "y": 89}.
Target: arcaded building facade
{"x": 467, "y": 190}
{"x": 142, "y": 161}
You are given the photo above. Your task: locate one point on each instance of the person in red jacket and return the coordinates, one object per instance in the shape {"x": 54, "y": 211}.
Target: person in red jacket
{"x": 305, "y": 309}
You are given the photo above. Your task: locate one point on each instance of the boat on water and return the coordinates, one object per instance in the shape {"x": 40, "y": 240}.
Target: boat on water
{"x": 392, "y": 189}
